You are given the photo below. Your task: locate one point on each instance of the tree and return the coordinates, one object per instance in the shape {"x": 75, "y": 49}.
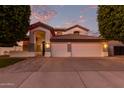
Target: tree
{"x": 111, "y": 22}
{"x": 14, "y": 23}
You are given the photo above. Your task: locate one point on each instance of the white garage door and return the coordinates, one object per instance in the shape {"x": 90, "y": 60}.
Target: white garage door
{"x": 59, "y": 50}
{"x": 86, "y": 50}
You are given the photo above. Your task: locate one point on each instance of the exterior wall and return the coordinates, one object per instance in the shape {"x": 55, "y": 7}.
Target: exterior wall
{"x": 47, "y": 32}
{"x": 32, "y": 41}
{"x": 22, "y": 54}
{"x": 94, "y": 49}
{"x": 111, "y": 45}
{"x": 58, "y": 32}
{"x": 25, "y": 45}
{"x": 7, "y": 50}
{"x": 71, "y": 31}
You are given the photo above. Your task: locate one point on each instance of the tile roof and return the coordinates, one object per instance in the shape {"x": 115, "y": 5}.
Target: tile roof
{"x": 75, "y": 38}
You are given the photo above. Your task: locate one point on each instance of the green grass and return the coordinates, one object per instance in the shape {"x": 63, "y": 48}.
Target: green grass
{"x": 6, "y": 61}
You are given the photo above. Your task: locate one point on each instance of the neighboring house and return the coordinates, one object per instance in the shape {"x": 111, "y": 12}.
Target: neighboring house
{"x": 74, "y": 41}
{"x": 115, "y": 48}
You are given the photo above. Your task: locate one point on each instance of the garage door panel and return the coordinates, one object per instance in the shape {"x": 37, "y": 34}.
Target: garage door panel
{"x": 59, "y": 50}
{"x": 86, "y": 50}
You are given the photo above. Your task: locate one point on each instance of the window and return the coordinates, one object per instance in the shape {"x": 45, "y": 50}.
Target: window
{"x": 69, "y": 47}
{"x": 58, "y": 33}
{"x": 76, "y": 32}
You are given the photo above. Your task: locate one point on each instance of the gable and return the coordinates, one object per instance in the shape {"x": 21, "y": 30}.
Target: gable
{"x": 81, "y": 27}
{"x": 41, "y": 25}
{"x": 81, "y": 30}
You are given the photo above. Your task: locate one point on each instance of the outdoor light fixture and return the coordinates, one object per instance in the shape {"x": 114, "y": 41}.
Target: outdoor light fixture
{"x": 105, "y": 46}
{"x": 47, "y": 45}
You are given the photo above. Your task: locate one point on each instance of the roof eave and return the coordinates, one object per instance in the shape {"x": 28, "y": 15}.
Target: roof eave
{"x": 77, "y": 40}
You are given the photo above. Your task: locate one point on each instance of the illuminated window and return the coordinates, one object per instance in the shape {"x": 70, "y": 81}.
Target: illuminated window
{"x": 58, "y": 33}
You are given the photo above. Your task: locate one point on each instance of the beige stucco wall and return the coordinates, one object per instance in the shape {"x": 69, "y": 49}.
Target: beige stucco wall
{"x": 7, "y": 50}
{"x": 71, "y": 31}
{"x": 47, "y": 34}
{"x": 22, "y": 54}
{"x": 32, "y": 41}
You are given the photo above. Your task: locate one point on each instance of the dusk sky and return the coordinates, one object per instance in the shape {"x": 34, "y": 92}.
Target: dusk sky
{"x": 66, "y": 15}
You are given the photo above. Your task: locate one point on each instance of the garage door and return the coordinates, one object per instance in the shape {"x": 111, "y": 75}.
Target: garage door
{"x": 86, "y": 50}
{"x": 59, "y": 50}
{"x": 118, "y": 50}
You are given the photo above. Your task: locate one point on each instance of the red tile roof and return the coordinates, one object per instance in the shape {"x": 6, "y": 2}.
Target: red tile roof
{"x": 76, "y": 38}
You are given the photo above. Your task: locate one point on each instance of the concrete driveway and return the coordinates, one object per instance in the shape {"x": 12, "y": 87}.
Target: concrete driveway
{"x": 64, "y": 73}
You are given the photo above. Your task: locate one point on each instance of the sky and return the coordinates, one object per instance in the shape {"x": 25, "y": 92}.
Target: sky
{"x": 66, "y": 15}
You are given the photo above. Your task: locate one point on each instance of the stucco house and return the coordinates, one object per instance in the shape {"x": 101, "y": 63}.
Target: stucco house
{"x": 75, "y": 41}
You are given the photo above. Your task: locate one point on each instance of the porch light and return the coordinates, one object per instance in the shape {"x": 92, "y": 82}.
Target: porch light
{"x": 47, "y": 45}
{"x": 105, "y": 46}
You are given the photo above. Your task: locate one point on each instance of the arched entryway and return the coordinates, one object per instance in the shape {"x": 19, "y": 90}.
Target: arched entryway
{"x": 39, "y": 39}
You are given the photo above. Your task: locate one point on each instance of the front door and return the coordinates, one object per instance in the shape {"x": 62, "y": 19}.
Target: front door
{"x": 43, "y": 48}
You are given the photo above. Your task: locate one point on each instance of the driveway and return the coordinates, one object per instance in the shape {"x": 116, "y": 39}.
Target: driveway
{"x": 64, "y": 73}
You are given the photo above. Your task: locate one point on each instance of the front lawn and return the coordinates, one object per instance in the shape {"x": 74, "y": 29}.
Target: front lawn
{"x": 6, "y": 61}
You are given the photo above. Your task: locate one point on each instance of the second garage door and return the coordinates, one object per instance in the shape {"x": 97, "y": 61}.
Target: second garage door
{"x": 86, "y": 50}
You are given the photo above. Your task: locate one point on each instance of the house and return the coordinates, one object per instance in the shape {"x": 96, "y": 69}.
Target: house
{"x": 74, "y": 41}
{"x": 115, "y": 48}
